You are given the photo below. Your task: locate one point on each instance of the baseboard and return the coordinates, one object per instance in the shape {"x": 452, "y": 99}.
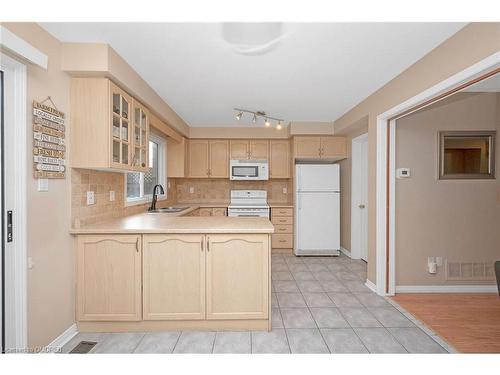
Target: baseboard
{"x": 56, "y": 345}
{"x": 371, "y": 286}
{"x": 446, "y": 289}
{"x": 344, "y": 251}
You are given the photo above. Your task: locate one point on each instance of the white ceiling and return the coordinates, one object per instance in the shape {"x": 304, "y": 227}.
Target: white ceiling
{"x": 315, "y": 72}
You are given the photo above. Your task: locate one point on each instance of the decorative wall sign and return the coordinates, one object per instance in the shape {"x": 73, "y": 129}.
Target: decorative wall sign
{"x": 49, "y": 146}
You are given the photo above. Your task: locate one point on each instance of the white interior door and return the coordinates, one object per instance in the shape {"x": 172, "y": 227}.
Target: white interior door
{"x": 359, "y": 198}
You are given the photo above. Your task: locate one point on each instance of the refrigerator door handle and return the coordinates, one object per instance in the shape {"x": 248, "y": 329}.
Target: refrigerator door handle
{"x": 300, "y": 201}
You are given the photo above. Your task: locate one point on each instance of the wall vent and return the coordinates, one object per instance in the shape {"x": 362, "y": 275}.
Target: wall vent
{"x": 470, "y": 271}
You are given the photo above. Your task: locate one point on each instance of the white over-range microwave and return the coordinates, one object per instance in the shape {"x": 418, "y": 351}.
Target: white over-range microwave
{"x": 249, "y": 169}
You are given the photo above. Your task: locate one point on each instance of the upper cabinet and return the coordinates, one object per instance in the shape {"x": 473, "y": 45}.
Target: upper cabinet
{"x": 176, "y": 157}
{"x": 109, "y": 129}
{"x": 279, "y": 158}
{"x": 316, "y": 147}
{"x": 208, "y": 158}
{"x": 257, "y": 149}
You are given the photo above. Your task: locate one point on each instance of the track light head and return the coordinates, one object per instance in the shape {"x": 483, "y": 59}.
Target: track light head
{"x": 254, "y": 120}
{"x": 267, "y": 123}
{"x": 238, "y": 116}
{"x": 279, "y": 125}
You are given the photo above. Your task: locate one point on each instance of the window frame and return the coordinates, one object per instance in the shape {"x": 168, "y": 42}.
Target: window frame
{"x": 162, "y": 174}
{"x": 491, "y": 134}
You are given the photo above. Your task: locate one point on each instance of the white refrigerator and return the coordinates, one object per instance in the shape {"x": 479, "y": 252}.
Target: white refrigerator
{"x": 317, "y": 209}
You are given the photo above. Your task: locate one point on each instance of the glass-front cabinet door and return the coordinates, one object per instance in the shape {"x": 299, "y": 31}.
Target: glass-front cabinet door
{"x": 141, "y": 137}
{"x": 121, "y": 127}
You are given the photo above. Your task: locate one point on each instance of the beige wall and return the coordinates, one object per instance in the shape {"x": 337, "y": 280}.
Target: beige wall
{"x": 217, "y": 191}
{"x": 51, "y": 281}
{"x": 470, "y": 45}
{"x": 238, "y": 131}
{"x": 457, "y": 220}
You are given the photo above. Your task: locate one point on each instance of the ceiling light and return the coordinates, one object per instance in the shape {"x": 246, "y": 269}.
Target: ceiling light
{"x": 238, "y": 116}
{"x": 267, "y": 123}
{"x": 279, "y": 125}
{"x": 256, "y": 115}
{"x": 254, "y": 120}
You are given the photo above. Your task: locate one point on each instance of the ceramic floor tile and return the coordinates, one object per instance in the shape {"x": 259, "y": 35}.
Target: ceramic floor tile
{"x": 298, "y": 267}
{"x": 119, "y": 343}
{"x": 158, "y": 342}
{"x": 359, "y": 317}
{"x": 379, "y": 340}
{"x": 285, "y": 286}
{"x": 390, "y": 317}
{"x": 270, "y": 342}
{"x": 416, "y": 341}
{"x": 309, "y": 286}
{"x": 324, "y": 276}
{"x": 303, "y": 275}
{"x": 94, "y": 337}
{"x": 371, "y": 300}
{"x": 357, "y": 286}
{"x": 297, "y": 318}
{"x": 328, "y": 317}
{"x": 346, "y": 276}
{"x": 279, "y": 267}
{"x": 306, "y": 341}
{"x": 343, "y": 340}
{"x": 274, "y": 300}
{"x": 318, "y": 300}
{"x": 332, "y": 286}
{"x": 290, "y": 300}
{"x": 195, "y": 342}
{"x": 281, "y": 275}
{"x": 336, "y": 268}
{"x": 232, "y": 342}
{"x": 317, "y": 267}
{"x": 276, "y": 321}
{"x": 344, "y": 300}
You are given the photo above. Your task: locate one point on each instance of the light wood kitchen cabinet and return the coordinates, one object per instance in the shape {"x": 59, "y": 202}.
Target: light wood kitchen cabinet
{"x": 282, "y": 219}
{"x": 176, "y": 158}
{"x": 174, "y": 277}
{"x": 279, "y": 159}
{"x": 237, "y": 276}
{"x": 218, "y": 159}
{"x": 104, "y": 127}
{"x": 219, "y": 211}
{"x": 316, "y": 147}
{"x": 208, "y": 158}
{"x": 209, "y": 211}
{"x": 109, "y": 277}
{"x": 255, "y": 149}
{"x": 205, "y": 211}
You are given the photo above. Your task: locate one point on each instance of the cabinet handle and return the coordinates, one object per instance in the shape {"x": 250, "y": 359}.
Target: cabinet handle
{"x": 137, "y": 244}
{"x": 282, "y": 240}
{"x": 208, "y": 244}
{"x": 202, "y": 245}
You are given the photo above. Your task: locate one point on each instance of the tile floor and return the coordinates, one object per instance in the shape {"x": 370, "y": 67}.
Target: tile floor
{"x": 319, "y": 305}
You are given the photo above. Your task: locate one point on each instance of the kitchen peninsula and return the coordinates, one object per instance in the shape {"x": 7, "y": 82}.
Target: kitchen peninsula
{"x": 161, "y": 271}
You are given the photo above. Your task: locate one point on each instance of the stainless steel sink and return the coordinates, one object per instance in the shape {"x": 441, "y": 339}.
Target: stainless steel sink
{"x": 167, "y": 210}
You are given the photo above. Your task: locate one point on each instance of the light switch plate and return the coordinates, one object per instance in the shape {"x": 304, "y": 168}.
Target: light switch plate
{"x": 90, "y": 198}
{"x": 112, "y": 195}
{"x": 43, "y": 184}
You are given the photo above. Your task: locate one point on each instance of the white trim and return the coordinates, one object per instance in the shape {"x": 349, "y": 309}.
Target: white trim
{"x": 344, "y": 251}
{"x": 371, "y": 286}
{"x": 21, "y": 48}
{"x": 57, "y": 344}
{"x": 17, "y": 72}
{"x": 446, "y": 289}
{"x": 443, "y": 86}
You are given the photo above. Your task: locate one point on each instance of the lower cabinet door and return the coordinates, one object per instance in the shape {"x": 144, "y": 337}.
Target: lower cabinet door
{"x": 174, "y": 277}
{"x": 238, "y": 276}
{"x": 109, "y": 277}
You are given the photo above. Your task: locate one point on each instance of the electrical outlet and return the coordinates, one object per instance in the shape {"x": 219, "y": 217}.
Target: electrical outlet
{"x": 112, "y": 195}
{"x": 191, "y": 190}
{"x": 168, "y": 185}
{"x": 90, "y": 198}
{"x": 285, "y": 190}
{"x": 43, "y": 184}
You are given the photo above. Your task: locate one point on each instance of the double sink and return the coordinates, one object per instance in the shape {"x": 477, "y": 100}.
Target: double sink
{"x": 168, "y": 210}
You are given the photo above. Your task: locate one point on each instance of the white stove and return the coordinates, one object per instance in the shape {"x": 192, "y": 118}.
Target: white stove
{"x": 248, "y": 203}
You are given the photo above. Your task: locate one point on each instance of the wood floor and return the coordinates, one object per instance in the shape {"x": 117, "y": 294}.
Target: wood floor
{"x": 469, "y": 322}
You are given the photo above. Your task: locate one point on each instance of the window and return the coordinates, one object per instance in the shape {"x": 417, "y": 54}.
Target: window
{"x": 139, "y": 186}
{"x": 467, "y": 154}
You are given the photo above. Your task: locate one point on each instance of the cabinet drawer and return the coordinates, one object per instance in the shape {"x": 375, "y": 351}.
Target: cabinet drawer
{"x": 282, "y": 211}
{"x": 282, "y": 241}
{"x": 280, "y": 229}
{"x": 286, "y": 220}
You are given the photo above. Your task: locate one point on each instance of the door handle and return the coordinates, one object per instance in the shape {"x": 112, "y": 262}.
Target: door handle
{"x": 361, "y": 206}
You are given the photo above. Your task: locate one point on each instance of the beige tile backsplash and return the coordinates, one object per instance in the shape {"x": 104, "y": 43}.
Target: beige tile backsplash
{"x": 83, "y": 180}
{"x": 206, "y": 191}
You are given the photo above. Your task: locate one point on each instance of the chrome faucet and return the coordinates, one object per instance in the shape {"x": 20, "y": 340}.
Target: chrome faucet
{"x": 155, "y": 197}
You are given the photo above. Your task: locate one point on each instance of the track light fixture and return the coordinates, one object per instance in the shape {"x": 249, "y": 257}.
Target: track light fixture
{"x": 257, "y": 115}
